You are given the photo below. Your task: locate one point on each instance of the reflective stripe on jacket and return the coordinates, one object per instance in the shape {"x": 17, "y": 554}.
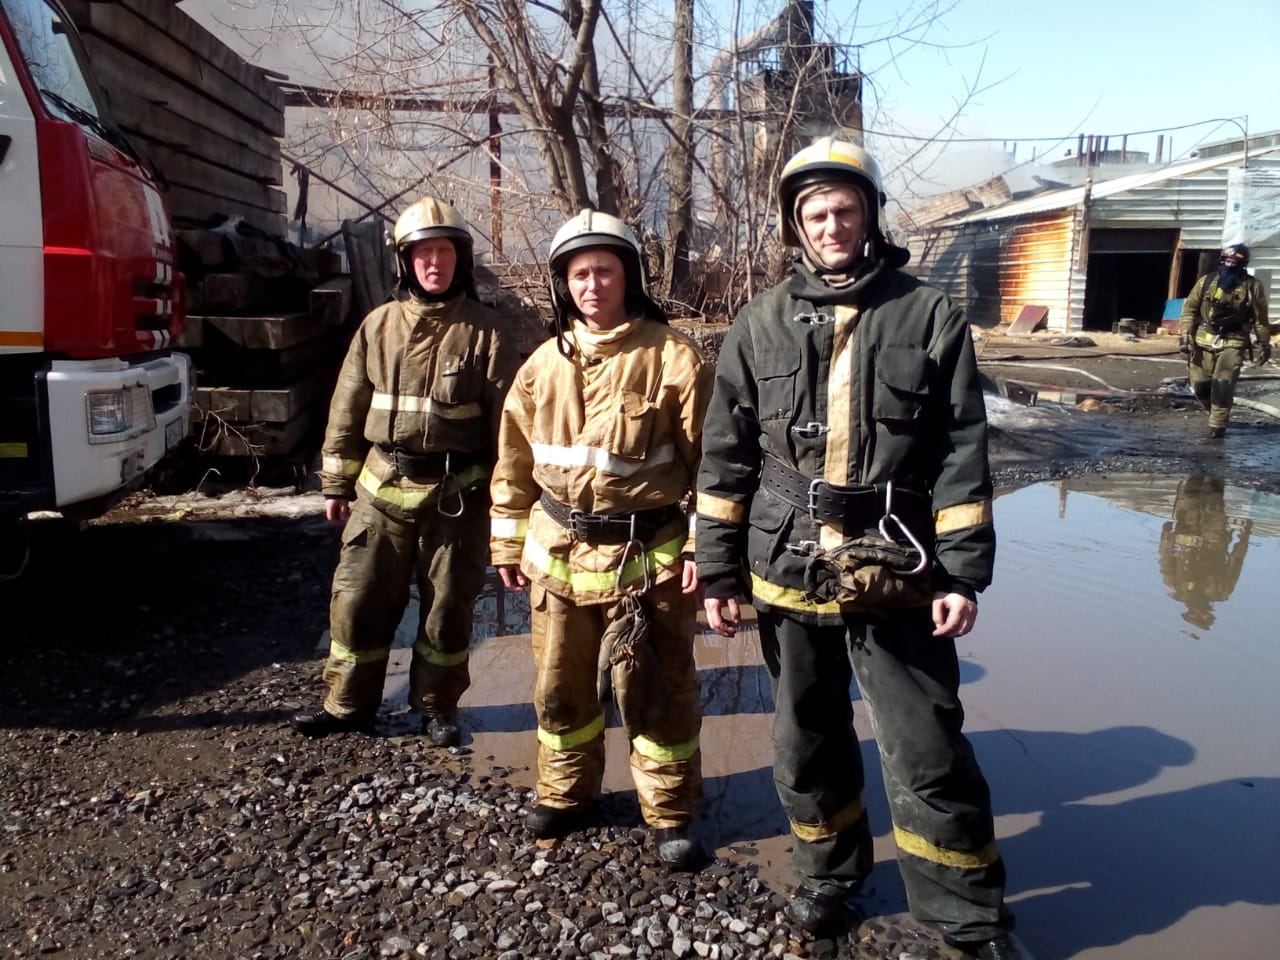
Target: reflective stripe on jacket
{"x": 615, "y": 430}
{"x": 426, "y": 377}
{"x": 864, "y": 386}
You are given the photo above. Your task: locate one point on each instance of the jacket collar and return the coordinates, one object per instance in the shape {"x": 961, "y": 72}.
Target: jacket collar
{"x": 415, "y": 308}
{"x": 595, "y": 344}
{"x": 804, "y": 284}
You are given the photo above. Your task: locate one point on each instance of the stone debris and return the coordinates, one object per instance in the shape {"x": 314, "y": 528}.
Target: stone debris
{"x": 155, "y": 804}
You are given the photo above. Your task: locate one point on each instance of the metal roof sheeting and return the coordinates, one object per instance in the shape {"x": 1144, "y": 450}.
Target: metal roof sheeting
{"x": 1074, "y": 196}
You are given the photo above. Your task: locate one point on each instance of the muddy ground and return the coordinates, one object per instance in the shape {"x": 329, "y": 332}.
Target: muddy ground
{"x": 154, "y": 804}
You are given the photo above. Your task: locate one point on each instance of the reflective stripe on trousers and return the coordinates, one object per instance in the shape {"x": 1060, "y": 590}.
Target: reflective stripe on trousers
{"x": 666, "y": 762}
{"x": 380, "y": 558}
{"x": 909, "y": 682}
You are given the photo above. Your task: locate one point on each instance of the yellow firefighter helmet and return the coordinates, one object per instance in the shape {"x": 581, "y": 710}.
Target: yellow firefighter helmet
{"x": 828, "y": 160}
{"x": 429, "y": 218}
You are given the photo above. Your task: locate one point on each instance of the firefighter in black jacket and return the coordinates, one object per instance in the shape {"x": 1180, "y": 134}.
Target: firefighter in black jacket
{"x": 844, "y": 487}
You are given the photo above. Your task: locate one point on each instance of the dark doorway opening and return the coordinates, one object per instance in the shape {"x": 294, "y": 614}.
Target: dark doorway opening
{"x": 1192, "y": 265}
{"x": 1129, "y": 276}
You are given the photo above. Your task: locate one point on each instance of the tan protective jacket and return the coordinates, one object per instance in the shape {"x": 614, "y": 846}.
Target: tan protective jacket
{"x": 426, "y": 377}
{"x": 615, "y": 430}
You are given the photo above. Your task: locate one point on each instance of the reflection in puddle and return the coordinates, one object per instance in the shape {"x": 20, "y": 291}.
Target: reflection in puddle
{"x": 1202, "y": 549}
{"x": 1120, "y": 691}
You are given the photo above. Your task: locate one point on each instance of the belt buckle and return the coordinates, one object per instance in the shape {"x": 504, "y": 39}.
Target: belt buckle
{"x": 398, "y": 463}
{"x": 812, "y": 499}
{"x": 582, "y": 523}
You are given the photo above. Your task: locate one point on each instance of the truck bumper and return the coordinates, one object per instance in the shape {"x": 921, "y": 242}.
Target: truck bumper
{"x": 95, "y": 455}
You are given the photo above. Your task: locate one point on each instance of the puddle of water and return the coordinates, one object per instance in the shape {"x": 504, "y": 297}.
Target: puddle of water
{"x": 1121, "y": 693}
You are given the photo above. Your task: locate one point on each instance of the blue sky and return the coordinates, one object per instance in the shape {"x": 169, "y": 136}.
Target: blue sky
{"x": 1089, "y": 66}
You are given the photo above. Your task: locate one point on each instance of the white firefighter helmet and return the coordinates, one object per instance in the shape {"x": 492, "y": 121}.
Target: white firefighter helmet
{"x": 429, "y": 218}
{"x": 830, "y": 161}
{"x": 589, "y": 229}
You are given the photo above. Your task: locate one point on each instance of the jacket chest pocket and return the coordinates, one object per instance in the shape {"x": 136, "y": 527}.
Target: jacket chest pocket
{"x": 633, "y": 426}
{"x": 901, "y": 392}
{"x": 776, "y": 385}
{"x": 458, "y": 379}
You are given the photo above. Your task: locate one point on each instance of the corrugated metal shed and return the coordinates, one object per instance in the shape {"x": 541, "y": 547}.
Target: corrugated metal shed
{"x": 993, "y": 273}
{"x": 1035, "y": 251}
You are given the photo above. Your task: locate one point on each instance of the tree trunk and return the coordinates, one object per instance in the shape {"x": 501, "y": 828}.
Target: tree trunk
{"x": 680, "y": 157}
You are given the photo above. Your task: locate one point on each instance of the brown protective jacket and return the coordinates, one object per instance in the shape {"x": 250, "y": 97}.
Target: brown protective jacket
{"x": 1247, "y": 299}
{"x": 616, "y": 429}
{"x": 423, "y": 377}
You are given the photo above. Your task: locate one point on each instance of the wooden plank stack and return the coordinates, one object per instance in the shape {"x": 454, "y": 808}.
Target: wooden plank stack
{"x": 272, "y": 326}
{"x": 209, "y": 121}
{"x": 267, "y": 323}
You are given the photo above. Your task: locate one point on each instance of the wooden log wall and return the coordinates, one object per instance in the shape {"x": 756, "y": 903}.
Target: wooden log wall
{"x": 210, "y": 121}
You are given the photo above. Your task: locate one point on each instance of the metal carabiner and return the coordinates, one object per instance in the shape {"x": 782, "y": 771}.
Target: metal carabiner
{"x": 646, "y": 579}
{"x": 904, "y": 530}
{"x": 444, "y": 483}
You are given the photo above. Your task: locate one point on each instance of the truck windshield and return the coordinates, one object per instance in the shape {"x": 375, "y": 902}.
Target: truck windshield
{"x": 44, "y": 35}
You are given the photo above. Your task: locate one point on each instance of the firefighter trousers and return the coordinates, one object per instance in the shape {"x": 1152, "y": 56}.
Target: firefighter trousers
{"x": 666, "y": 762}
{"x": 381, "y": 555}
{"x": 1212, "y": 375}
{"x": 942, "y": 821}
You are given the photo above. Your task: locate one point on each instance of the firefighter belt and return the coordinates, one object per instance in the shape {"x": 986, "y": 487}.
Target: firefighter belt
{"x": 887, "y": 565}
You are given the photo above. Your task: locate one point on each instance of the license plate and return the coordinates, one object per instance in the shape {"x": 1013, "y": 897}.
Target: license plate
{"x": 173, "y": 434}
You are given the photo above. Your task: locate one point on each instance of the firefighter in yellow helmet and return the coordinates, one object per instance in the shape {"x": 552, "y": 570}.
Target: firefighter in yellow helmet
{"x": 1219, "y": 315}
{"x": 844, "y": 488}
{"x": 412, "y": 436}
{"x": 600, "y": 441}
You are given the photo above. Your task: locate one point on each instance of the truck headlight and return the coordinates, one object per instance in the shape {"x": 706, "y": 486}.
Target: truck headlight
{"x": 110, "y": 412}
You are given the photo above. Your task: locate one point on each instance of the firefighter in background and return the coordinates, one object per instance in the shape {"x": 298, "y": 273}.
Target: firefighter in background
{"x": 844, "y": 486}
{"x": 1198, "y": 561}
{"x": 412, "y": 436}
{"x": 1217, "y": 318}
{"x": 600, "y": 441}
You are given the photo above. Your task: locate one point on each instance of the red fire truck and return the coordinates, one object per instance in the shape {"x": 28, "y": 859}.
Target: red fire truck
{"x": 91, "y": 396}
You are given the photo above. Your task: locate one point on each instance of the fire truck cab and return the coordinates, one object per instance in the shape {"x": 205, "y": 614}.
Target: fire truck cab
{"x": 91, "y": 396}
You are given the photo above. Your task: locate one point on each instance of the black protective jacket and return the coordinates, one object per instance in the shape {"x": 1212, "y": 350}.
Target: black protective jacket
{"x": 873, "y": 383}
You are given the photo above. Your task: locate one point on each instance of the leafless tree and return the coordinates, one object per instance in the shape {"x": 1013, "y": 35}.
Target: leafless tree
{"x": 543, "y": 107}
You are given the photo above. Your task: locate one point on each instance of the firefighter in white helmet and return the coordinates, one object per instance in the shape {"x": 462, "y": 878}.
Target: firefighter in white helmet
{"x": 412, "y": 436}
{"x": 844, "y": 488}
{"x": 600, "y": 441}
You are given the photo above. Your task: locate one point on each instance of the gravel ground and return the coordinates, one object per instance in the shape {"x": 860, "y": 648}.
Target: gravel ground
{"x": 153, "y": 802}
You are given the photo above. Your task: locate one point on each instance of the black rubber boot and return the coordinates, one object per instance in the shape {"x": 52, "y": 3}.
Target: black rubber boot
{"x": 677, "y": 847}
{"x": 547, "y": 823}
{"x": 442, "y": 730}
{"x": 1004, "y": 947}
{"x": 321, "y": 723}
{"x": 822, "y": 914}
